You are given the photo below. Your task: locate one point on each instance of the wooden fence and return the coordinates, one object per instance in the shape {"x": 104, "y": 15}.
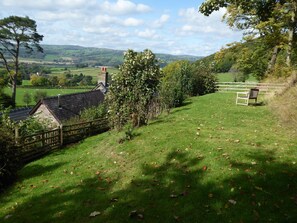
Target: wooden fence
{"x": 36, "y": 145}
{"x": 245, "y": 86}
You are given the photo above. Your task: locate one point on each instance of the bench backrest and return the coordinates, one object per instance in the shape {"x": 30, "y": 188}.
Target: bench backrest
{"x": 254, "y": 93}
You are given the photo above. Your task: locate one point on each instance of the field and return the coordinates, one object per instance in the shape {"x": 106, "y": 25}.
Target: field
{"x": 53, "y": 92}
{"x": 208, "y": 161}
{"x": 50, "y": 92}
{"x": 90, "y": 71}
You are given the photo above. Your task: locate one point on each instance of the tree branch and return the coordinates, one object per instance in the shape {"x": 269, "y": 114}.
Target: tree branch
{"x": 5, "y": 62}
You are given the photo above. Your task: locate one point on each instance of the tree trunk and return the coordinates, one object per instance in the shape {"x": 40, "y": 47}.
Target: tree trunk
{"x": 272, "y": 60}
{"x": 291, "y": 33}
{"x": 13, "y": 88}
{"x": 289, "y": 49}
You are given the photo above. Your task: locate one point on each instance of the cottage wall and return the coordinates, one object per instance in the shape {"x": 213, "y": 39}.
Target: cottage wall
{"x": 44, "y": 115}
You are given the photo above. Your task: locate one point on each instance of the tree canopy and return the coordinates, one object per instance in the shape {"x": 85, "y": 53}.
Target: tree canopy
{"x": 16, "y": 32}
{"x": 271, "y": 22}
{"x": 133, "y": 89}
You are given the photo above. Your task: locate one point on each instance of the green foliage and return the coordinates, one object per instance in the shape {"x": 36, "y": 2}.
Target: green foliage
{"x": 25, "y": 127}
{"x": 253, "y": 61}
{"x": 6, "y": 100}
{"x": 133, "y": 89}
{"x": 182, "y": 79}
{"x": 176, "y": 84}
{"x": 129, "y": 133}
{"x": 9, "y": 153}
{"x": 15, "y": 32}
{"x": 9, "y": 163}
{"x": 38, "y": 95}
{"x": 30, "y": 126}
{"x": 203, "y": 80}
{"x": 271, "y": 23}
{"x": 37, "y": 80}
{"x": 99, "y": 112}
{"x": 27, "y": 98}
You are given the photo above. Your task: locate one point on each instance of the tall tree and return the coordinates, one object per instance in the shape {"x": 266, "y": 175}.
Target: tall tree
{"x": 291, "y": 8}
{"x": 17, "y": 32}
{"x": 262, "y": 19}
{"x": 133, "y": 90}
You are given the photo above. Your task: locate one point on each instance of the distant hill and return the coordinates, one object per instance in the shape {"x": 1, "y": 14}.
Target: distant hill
{"x": 91, "y": 55}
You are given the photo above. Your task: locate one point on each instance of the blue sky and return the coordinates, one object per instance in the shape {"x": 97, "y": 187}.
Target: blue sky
{"x": 172, "y": 26}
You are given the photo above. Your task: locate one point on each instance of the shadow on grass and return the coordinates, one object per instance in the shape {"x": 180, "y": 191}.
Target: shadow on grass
{"x": 177, "y": 190}
{"x": 34, "y": 170}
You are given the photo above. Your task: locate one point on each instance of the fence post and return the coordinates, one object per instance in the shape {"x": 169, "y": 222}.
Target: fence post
{"x": 16, "y": 130}
{"x": 61, "y": 134}
{"x": 43, "y": 139}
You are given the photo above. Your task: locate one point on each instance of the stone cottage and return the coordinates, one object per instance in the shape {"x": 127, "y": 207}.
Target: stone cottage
{"x": 58, "y": 109}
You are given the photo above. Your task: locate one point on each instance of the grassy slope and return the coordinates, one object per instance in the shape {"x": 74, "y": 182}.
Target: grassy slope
{"x": 240, "y": 168}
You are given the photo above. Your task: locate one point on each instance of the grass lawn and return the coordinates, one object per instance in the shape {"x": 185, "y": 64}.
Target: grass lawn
{"x": 50, "y": 92}
{"x": 208, "y": 161}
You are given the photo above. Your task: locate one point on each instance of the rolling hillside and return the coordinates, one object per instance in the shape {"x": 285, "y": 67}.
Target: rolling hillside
{"x": 91, "y": 55}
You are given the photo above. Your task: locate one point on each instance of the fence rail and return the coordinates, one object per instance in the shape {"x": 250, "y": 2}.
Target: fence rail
{"x": 245, "y": 86}
{"x": 36, "y": 145}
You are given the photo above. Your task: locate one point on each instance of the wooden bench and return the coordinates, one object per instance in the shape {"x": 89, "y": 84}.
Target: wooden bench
{"x": 242, "y": 98}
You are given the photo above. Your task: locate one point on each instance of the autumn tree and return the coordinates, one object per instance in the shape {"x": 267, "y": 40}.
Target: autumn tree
{"x": 17, "y": 32}
{"x": 134, "y": 88}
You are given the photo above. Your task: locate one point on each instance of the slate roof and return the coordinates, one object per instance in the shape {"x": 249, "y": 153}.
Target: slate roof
{"x": 19, "y": 114}
{"x": 70, "y": 104}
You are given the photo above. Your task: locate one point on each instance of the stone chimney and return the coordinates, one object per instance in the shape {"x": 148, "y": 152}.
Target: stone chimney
{"x": 59, "y": 101}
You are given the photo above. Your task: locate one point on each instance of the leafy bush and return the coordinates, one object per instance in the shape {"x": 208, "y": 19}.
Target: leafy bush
{"x": 133, "y": 89}
{"x": 204, "y": 82}
{"x": 38, "y": 95}
{"x": 93, "y": 113}
{"x": 6, "y": 101}
{"x": 9, "y": 163}
{"x": 176, "y": 84}
{"x": 30, "y": 126}
{"x": 27, "y": 98}
{"x": 129, "y": 133}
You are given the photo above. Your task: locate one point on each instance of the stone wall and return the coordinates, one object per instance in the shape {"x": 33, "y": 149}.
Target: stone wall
{"x": 45, "y": 116}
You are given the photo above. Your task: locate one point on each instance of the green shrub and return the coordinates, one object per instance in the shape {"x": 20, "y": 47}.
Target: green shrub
{"x": 132, "y": 91}
{"x": 38, "y": 95}
{"x": 93, "y": 113}
{"x": 30, "y": 126}
{"x": 6, "y": 101}
{"x": 9, "y": 162}
{"x": 129, "y": 133}
{"x": 176, "y": 84}
{"x": 27, "y": 98}
{"x": 204, "y": 81}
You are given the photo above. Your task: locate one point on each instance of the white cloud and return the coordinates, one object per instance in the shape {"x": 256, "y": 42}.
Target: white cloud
{"x": 124, "y": 7}
{"x": 132, "y": 22}
{"x": 197, "y": 23}
{"x": 44, "y": 4}
{"x": 56, "y": 16}
{"x": 161, "y": 21}
{"x": 148, "y": 34}
{"x": 104, "y": 20}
